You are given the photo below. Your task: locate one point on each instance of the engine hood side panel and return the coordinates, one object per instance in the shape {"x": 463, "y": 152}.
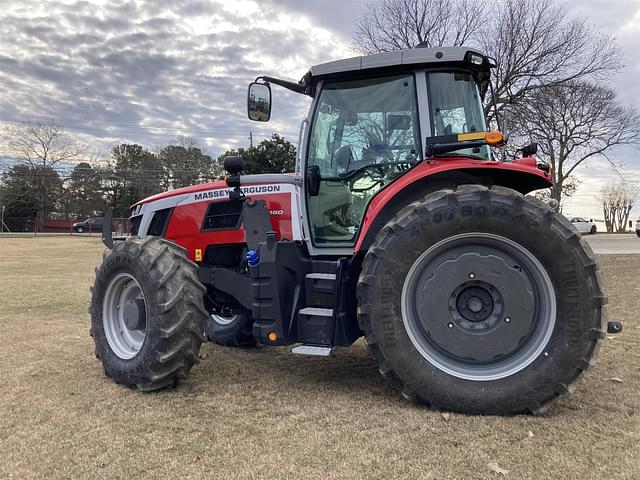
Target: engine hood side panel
{"x": 190, "y": 207}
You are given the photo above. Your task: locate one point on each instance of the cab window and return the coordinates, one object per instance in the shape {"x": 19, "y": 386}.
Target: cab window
{"x": 456, "y": 107}
{"x": 363, "y": 135}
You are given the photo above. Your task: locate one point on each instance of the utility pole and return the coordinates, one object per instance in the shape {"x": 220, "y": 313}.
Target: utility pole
{"x": 250, "y": 139}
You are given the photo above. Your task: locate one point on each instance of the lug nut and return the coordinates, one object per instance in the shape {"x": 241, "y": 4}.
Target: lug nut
{"x": 472, "y": 275}
{"x": 507, "y": 319}
{"x": 450, "y": 325}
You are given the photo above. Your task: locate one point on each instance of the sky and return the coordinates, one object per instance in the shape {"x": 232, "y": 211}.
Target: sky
{"x": 114, "y": 71}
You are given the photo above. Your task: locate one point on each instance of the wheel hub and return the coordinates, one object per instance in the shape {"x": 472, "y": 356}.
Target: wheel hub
{"x": 475, "y": 305}
{"x": 134, "y": 314}
{"x": 478, "y": 306}
{"x": 124, "y": 316}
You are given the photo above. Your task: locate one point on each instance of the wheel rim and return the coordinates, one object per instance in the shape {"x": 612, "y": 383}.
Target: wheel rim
{"x": 124, "y": 316}
{"x": 223, "y": 320}
{"x": 478, "y": 306}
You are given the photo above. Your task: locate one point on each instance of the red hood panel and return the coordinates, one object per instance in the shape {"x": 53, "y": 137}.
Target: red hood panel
{"x": 183, "y": 190}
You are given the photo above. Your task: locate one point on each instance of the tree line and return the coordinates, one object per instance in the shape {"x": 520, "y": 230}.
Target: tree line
{"x": 38, "y": 188}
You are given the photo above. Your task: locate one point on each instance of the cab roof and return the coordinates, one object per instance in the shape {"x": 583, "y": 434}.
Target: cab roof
{"x": 397, "y": 61}
{"x": 400, "y": 61}
{"x": 413, "y": 57}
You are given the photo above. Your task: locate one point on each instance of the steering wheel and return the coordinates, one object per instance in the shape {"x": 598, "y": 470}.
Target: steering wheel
{"x": 377, "y": 151}
{"x": 343, "y": 157}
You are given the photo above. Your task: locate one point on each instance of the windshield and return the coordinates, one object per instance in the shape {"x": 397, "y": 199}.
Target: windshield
{"x": 364, "y": 122}
{"x": 456, "y": 107}
{"x": 364, "y": 134}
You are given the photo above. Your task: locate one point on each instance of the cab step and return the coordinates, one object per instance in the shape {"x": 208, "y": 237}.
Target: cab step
{"x": 316, "y": 311}
{"x": 315, "y": 325}
{"x": 320, "y": 289}
{"x": 315, "y": 350}
{"x": 321, "y": 276}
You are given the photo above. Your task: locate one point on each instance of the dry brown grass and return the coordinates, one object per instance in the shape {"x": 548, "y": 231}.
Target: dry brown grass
{"x": 267, "y": 414}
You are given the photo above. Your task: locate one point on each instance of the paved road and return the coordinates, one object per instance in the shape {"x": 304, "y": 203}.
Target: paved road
{"x": 600, "y": 242}
{"x": 614, "y": 243}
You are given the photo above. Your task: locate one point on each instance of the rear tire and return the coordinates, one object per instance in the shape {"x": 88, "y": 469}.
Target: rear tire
{"x": 432, "y": 336}
{"x": 234, "y": 330}
{"x": 147, "y": 315}
{"x": 593, "y": 230}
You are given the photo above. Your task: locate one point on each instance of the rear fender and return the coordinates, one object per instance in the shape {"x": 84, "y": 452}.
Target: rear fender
{"x": 425, "y": 178}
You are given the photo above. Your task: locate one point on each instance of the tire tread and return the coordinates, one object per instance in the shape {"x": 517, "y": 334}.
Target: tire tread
{"x": 179, "y": 328}
{"x": 451, "y": 197}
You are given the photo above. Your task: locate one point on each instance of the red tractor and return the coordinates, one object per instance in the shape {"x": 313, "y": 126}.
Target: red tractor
{"x": 398, "y": 225}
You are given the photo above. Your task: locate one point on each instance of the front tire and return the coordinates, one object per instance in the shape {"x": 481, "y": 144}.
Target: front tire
{"x": 147, "y": 314}
{"x": 231, "y": 330}
{"x": 481, "y": 301}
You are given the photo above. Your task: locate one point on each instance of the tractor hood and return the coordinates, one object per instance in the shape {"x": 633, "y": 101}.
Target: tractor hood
{"x": 180, "y": 192}
{"x": 205, "y": 192}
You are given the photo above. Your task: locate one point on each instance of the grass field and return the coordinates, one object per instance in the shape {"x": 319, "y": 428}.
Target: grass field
{"x": 264, "y": 413}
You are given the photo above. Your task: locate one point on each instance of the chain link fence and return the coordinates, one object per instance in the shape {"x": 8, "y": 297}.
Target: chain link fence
{"x": 14, "y": 226}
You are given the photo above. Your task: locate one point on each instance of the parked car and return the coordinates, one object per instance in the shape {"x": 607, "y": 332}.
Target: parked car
{"x": 91, "y": 224}
{"x": 583, "y": 225}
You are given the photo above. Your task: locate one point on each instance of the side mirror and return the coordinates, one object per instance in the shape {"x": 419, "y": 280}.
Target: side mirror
{"x": 259, "y": 102}
{"x": 313, "y": 180}
{"x": 529, "y": 150}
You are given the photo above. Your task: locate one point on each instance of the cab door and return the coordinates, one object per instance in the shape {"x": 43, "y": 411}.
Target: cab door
{"x": 363, "y": 135}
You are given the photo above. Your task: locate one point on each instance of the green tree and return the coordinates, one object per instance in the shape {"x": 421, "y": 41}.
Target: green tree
{"x": 274, "y": 155}
{"x": 184, "y": 164}
{"x": 30, "y": 192}
{"x": 136, "y": 174}
{"x": 18, "y": 193}
{"x": 84, "y": 192}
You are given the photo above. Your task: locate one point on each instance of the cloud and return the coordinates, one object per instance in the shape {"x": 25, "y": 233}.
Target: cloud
{"x": 145, "y": 71}
{"x": 148, "y": 71}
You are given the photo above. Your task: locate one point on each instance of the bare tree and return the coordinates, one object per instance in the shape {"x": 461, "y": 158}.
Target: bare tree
{"x": 398, "y": 24}
{"x": 569, "y": 188}
{"x": 618, "y": 200}
{"x": 572, "y": 123}
{"x": 41, "y": 144}
{"x": 535, "y": 42}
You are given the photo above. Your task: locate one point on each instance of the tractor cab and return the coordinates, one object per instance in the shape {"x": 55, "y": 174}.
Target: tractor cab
{"x": 374, "y": 118}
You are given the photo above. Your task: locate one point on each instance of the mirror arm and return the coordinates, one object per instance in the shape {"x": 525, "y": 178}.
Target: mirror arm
{"x": 295, "y": 87}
